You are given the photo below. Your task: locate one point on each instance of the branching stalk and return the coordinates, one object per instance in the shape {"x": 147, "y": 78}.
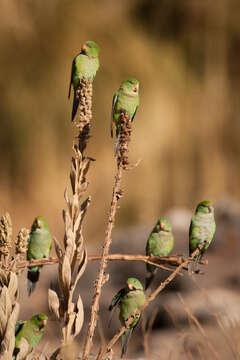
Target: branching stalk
{"x": 122, "y": 162}
{"x": 72, "y": 257}
{"x": 115, "y": 338}
{"x": 173, "y": 260}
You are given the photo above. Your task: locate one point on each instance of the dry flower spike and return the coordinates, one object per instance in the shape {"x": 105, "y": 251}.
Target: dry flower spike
{"x": 22, "y": 241}
{"x": 73, "y": 255}
{"x": 5, "y": 234}
{"x": 125, "y": 136}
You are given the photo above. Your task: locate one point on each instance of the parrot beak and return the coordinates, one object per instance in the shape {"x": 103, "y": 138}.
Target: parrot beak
{"x": 130, "y": 286}
{"x": 44, "y": 322}
{"x": 39, "y": 224}
{"x": 162, "y": 225}
{"x": 84, "y": 48}
{"x": 210, "y": 209}
{"x": 136, "y": 87}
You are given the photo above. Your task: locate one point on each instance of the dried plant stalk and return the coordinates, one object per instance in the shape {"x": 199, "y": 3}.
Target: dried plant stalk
{"x": 9, "y": 312}
{"x": 5, "y": 235}
{"x": 124, "y": 139}
{"x": 200, "y": 328}
{"x": 122, "y": 162}
{"x": 72, "y": 257}
{"x": 173, "y": 260}
{"x": 101, "y": 278}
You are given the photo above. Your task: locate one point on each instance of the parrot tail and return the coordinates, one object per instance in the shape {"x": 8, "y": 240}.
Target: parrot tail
{"x": 32, "y": 278}
{"x": 76, "y": 100}
{"x": 125, "y": 339}
{"x": 149, "y": 279}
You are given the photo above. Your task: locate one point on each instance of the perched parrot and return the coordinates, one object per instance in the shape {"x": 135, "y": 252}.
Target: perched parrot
{"x": 39, "y": 246}
{"x": 125, "y": 100}
{"x": 84, "y": 66}
{"x": 130, "y": 299}
{"x": 159, "y": 243}
{"x": 202, "y": 228}
{"x": 32, "y": 330}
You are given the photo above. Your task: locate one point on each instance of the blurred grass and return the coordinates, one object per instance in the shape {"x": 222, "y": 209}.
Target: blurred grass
{"x": 186, "y": 131}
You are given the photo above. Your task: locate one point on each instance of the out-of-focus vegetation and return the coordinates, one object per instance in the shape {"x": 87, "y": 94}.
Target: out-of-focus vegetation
{"x": 186, "y": 55}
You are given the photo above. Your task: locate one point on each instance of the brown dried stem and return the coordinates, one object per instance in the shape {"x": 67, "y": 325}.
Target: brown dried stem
{"x": 9, "y": 312}
{"x": 200, "y": 328}
{"x": 115, "y": 338}
{"x": 103, "y": 263}
{"x": 146, "y": 331}
{"x": 173, "y": 260}
{"x": 122, "y": 162}
{"x": 72, "y": 258}
{"x": 216, "y": 314}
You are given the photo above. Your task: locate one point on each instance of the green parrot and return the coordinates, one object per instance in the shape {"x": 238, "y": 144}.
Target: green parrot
{"x": 84, "y": 66}
{"x": 159, "y": 243}
{"x": 130, "y": 299}
{"x": 32, "y": 330}
{"x": 125, "y": 100}
{"x": 39, "y": 246}
{"x": 202, "y": 228}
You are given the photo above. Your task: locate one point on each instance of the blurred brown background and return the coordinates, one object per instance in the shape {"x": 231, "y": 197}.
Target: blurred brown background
{"x": 186, "y": 55}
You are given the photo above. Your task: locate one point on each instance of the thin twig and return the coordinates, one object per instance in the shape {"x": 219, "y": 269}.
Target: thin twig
{"x": 232, "y": 346}
{"x": 146, "y": 330}
{"x": 199, "y": 326}
{"x": 103, "y": 264}
{"x": 171, "y": 260}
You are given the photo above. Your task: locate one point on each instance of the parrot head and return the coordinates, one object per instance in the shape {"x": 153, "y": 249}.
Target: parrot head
{"x": 90, "y": 48}
{"x": 134, "y": 284}
{"x": 130, "y": 86}
{"x": 40, "y": 320}
{"x": 162, "y": 225}
{"x": 205, "y": 207}
{"x": 39, "y": 223}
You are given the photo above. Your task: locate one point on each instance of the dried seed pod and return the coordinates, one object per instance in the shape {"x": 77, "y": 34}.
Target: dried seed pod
{"x": 5, "y": 234}
{"x": 22, "y": 241}
{"x": 125, "y": 136}
{"x": 53, "y": 302}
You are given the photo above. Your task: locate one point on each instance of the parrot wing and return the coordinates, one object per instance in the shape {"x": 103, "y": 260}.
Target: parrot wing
{"x": 115, "y": 97}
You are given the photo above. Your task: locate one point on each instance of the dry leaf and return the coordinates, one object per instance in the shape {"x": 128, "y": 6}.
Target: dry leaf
{"x": 13, "y": 287}
{"x": 8, "y": 343}
{"x": 81, "y": 267}
{"x": 66, "y": 273}
{"x": 58, "y": 248}
{"x": 24, "y": 349}
{"x": 79, "y": 317}
{"x": 53, "y": 302}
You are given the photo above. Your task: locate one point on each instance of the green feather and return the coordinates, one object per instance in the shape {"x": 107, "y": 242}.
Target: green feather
{"x": 32, "y": 330}
{"x": 129, "y": 299}
{"x": 125, "y": 100}
{"x": 202, "y": 228}
{"x": 39, "y": 246}
{"x": 84, "y": 66}
{"x": 160, "y": 243}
